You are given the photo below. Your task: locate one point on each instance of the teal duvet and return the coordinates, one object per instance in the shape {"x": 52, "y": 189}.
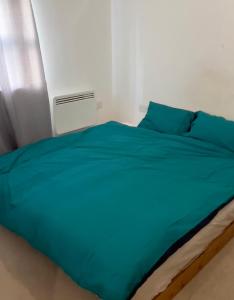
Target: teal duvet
{"x": 107, "y": 203}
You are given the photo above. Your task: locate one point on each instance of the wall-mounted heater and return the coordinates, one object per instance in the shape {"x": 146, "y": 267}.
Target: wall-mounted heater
{"x": 74, "y": 112}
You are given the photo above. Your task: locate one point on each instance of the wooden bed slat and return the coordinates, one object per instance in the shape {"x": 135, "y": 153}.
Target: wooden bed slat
{"x": 187, "y": 275}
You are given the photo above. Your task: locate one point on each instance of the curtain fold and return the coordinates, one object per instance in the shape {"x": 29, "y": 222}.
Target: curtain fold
{"x": 7, "y": 137}
{"x": 24, "y": 103}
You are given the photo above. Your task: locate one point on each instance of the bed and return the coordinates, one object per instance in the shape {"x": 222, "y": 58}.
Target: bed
{"x": 121, "y": 210}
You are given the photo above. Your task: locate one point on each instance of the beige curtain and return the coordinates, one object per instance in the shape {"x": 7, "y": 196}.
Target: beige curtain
{"x": 24, "y": 103}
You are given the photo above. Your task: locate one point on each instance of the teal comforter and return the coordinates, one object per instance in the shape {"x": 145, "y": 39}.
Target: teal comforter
{"x": 106, "y": 204}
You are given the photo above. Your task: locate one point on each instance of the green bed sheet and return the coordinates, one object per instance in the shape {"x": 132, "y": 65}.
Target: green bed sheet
{"x": 105, "y": 204}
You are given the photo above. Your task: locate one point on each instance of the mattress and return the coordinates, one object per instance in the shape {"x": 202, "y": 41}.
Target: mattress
{"x": 27, "y": 274}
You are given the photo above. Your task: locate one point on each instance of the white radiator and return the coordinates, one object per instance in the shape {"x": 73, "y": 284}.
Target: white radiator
{"x": 74, "y": 112}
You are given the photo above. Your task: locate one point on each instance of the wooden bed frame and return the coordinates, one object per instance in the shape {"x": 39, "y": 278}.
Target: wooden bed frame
{"x": 185, "y": 276}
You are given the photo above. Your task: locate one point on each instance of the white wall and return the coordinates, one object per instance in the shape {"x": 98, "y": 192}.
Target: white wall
{"x": 123, "y": 59}
{"x": 175, "y": 52}
{"x": 179, "y": 53}
{"x": 75, "y": 39}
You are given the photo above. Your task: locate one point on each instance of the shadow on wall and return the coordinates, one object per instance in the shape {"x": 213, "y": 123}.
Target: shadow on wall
{"x": 212, "y": 91}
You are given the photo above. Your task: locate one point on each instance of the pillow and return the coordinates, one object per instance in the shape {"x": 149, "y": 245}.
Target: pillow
{"x": 167, "y": 119}
{"x": 213, "y": 129}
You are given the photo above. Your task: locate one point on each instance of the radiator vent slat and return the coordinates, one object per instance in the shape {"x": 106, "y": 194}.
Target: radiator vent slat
{"x": 68, "y": 99}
